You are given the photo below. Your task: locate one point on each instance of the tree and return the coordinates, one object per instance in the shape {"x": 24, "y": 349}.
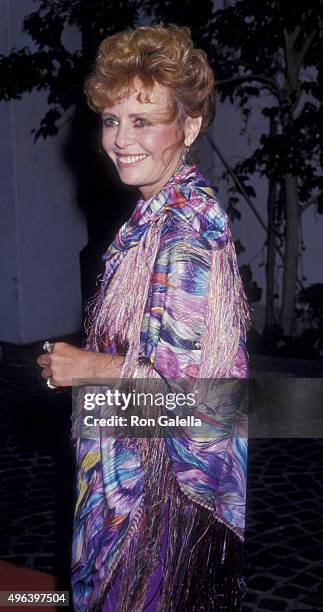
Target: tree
{"x": 52, "y": 67}
{"x": 276, "y": 48}
{"x": 271, "y": 47}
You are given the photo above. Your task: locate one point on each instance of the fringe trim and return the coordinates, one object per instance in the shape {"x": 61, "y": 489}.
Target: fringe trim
{"x": 201, "y": 570}
{"x": 139, "y": 552}
{"x": 118, "y": 312}
{"x": 227, "y": 315}
{"x": 202, "y": 566}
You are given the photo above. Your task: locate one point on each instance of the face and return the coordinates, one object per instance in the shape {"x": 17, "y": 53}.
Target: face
{"x": 145, "y": 149}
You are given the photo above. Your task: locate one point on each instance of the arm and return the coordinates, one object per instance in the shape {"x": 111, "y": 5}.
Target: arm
{"x": 173, "y": 323}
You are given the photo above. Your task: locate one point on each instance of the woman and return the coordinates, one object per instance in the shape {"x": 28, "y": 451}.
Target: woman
{"x": 159, "y": 522}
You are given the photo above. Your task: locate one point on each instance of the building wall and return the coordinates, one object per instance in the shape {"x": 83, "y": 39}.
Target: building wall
{"x": 43, "y": 230}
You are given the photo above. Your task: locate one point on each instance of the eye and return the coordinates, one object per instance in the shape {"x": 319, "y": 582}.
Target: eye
{"x": 141, "y": 123}
{"x": 109, "y": 121}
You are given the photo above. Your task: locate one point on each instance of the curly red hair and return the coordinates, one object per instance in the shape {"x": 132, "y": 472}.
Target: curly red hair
{"x": 162, "y": 53}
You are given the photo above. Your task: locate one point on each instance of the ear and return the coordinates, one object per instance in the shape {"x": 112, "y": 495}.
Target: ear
{"x": 192, "y": 127}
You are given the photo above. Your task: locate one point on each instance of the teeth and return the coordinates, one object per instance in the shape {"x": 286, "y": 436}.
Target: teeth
{"x": 130, "y": 159}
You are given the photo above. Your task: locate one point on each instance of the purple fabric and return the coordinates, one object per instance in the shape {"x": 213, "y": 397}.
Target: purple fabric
{"x": 152, "y": 597}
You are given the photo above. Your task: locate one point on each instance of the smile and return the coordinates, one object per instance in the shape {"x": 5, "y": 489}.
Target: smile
{"x": 130, "y": 159}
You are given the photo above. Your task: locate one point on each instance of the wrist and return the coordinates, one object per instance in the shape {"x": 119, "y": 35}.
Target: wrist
{"x": 102, "y": 365}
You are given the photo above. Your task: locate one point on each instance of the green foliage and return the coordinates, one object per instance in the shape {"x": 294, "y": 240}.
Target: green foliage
{"x": 252, "y": 289}
{"x": 312, "y": 296}
{"x": 54, "y": 68}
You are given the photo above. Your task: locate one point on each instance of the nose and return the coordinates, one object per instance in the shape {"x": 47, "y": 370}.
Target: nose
{"x": 123, "y": 136}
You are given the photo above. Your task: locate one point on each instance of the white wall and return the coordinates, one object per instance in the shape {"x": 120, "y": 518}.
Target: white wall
{"x": 43, "y": 230}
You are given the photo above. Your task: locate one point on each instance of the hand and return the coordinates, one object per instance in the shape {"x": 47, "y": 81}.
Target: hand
{"x": 67, "y": 363}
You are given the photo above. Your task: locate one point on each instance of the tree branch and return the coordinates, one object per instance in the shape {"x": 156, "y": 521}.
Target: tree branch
{"x": 270, "y": 83}
{"x": 242, "y": 190}
{"x": 304, "y": 49}
{"x": 310, "y": 202}
{"x": 293, "y": 35}
{"x": 295, "y": 59}
{"x": 292, "y": 85}
{"x": 237, "y": 182}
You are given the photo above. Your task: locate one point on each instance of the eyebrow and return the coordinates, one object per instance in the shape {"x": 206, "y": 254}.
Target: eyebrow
{"x": 134, "y": 115}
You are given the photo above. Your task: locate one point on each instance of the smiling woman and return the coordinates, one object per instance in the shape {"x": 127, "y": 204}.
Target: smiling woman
{"x": 159, "y": 522}
{"x": 155, "y": 94}
{"x": 143, "y": 143}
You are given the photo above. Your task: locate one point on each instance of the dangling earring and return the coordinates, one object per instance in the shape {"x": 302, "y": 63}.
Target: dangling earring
{"x": 186, "y": 159}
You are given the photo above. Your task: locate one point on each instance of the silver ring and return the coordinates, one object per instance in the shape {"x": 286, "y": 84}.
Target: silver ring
{"x": 48, "y": 346}
{"x": 50, "y": 384}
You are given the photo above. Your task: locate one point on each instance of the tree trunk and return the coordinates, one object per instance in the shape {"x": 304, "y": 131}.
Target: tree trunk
{"x": 271, "y": 253}
{"x": 291, "y": 188}
{"x": 271, "y": 240}
{"x": 291, "y": 253}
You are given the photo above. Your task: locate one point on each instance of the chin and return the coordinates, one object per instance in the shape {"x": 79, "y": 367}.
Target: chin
{"x": 129, "y": 174}
{"x": 128, "y": 180}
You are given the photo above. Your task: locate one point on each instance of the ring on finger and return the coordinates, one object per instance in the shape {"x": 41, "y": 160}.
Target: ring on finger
{"x": 48, "y": 346}
{"x": 50, "y": 384}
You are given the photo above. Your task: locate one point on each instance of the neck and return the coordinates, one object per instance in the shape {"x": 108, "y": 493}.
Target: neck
{"x": 149, "y": 192}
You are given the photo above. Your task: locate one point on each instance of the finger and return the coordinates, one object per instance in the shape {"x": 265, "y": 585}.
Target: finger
{"x": 46, "y": 373}
{"x": 43, "y": 360}
{"x": 59, "y": 346}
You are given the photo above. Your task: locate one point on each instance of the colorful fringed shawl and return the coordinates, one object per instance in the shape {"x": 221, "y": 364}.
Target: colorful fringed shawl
{"x": 172, "y": 302}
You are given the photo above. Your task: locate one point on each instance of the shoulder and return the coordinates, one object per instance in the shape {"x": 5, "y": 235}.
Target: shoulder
{"x": 182, "y": 249}
{"x": 193, "y": 208}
